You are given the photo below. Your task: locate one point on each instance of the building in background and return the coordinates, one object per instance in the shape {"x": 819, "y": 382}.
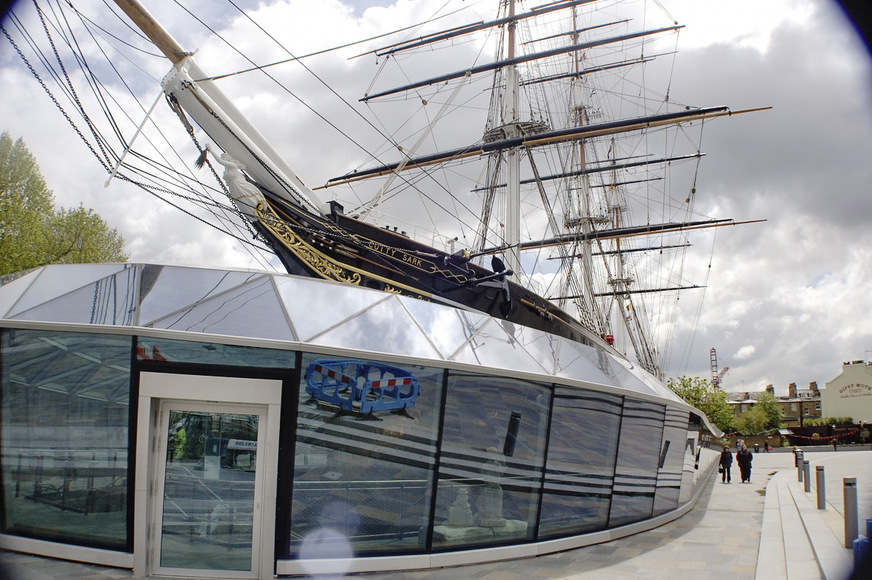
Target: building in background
{"x": 798, "y": 406}
{"x": 850, "y": 393}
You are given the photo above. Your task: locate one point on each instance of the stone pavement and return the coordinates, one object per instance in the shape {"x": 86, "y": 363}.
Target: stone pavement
{"x": 766, "y": 530}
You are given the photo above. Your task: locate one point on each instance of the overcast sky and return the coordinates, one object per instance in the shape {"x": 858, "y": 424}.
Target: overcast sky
{"x": 787, "y": 300}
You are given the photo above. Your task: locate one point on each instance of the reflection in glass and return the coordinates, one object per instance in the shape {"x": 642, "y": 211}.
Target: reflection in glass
{"x": 166, "y": 350}
{"x": 363, "y": 481}
{"x": 447, "y": 328}
{"x": 491, "y": 461}
{"x": 583, "y": 362}
{"x": 62, "y": 284}
{"x": 167, "y": 289}
{"x": 639, "y": 451}
{"x": 625, "y": 373}
{"x": 64, "y": 436}
{"x": 692, "y": 454}
{"x": 581, "y": 462}
{"x": 385, "y": 327}
{"x": 495, "y": 346}
{"x": 672, "y": 455}
{"x": 326, "y": 305}
{"x": 14, "y": 287}
{"x": 208, "y": 503}
{"x": 108, "y": 300}
{"x": 251, "y": 309}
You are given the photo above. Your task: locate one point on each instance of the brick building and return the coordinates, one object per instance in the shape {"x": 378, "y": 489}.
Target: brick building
{"x": 798, "y": 406}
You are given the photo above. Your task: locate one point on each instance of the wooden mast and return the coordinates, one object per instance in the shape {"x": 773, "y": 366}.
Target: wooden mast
{"x": 154, "y": 31}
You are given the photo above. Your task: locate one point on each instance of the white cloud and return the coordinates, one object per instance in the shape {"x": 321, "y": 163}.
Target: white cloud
{"x": 745, "y": 352}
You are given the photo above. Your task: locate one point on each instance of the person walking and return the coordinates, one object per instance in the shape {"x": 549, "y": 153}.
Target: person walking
{"x": 744, "y": 459}
{"x": 725, "y": 464}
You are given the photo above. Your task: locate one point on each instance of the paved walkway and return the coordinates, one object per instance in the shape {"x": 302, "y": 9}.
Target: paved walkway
{"x": 766, "y": 530}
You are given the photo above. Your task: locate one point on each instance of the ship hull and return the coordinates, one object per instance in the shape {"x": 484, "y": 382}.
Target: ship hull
{"x": 347, "y": 250}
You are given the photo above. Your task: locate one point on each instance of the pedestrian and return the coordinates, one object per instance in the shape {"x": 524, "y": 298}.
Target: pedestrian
{"x": 744, "y": 459}
{"x": 739, "y": 444}
{"x": 179, "y": 442}
{"x": 835, "y": 443}
{"x": 725, "y": 464}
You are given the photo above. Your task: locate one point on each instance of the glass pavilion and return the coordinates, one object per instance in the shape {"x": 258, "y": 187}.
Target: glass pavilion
{"x": 238, "y": 424}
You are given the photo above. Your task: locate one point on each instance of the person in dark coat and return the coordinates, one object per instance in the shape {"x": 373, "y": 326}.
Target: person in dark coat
{"x": 744, "y": 459}
{"x": 726, "y": 464}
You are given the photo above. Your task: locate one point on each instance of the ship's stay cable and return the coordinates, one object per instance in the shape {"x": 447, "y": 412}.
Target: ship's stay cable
{"x": 430, "y": 123}
{"x": 99, "y": 95}
{"x": 69, "y": 83}
{"x": 286, "y": 89}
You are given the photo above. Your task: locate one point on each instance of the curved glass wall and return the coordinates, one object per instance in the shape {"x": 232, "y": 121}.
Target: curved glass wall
{"x": 491, "y": 460}
{"x": 65, "y": 399}
{"x": 380, "y": 458}
{"x": 639, "y": 445}
{"x": 365, "y": 457}
{"x": 580, "y": 471}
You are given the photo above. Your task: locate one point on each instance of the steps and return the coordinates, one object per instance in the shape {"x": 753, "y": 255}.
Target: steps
{"x": 798, "y": 541}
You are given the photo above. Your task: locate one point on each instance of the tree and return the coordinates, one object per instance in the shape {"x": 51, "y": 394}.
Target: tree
{"x": 701, "y": 394}
{"x": 770, "y": 406}
{"x": 753, "y": 421}
{"x": 32, "y": 232}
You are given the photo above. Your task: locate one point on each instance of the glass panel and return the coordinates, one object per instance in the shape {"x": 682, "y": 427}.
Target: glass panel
{"x": 448, "y": 328}
{"x": 638, "y": 457}
{"x": 690, "y": 461}
{"x": 161, "y": 349}
{"x": 326, "y": 304}
{"x": 495, "y": 346}
{"x": 671, "y": 461}
{"x": 364, "y": 460}
{"x": 105, "y": 301}
{"x": 249, "y": 310}
{"x": 490, "y": 473}
{"x": 627, "y": 378}
{"x": 581, "y": 462}
{"x": 64, "y": 436}
{"x": 583, "y": 362}
{"x": 386, "y": 327}
{"x": 165, "y": 289}
{"x": 55, "y": 281}
{"x": 208, "y": 503}
{"x": 12, "y": 287}
{"x": 541, "y": 345}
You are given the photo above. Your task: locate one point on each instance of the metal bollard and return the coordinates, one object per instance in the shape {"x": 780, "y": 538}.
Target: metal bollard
{"x": 821, "y": 487}
{"x": 806, "y": 474}
{"x": 851, "y": 533}
{"x": 799, "y": 470}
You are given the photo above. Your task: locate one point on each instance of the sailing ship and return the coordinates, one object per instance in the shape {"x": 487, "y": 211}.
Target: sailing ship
{"x": 558, "y": 169}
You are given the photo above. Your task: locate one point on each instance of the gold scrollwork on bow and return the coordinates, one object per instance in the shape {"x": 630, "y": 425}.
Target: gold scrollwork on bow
{"x": 324, "y": 266}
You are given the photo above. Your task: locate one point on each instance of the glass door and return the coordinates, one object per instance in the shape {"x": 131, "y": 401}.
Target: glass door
{"x": 208, "y": 489}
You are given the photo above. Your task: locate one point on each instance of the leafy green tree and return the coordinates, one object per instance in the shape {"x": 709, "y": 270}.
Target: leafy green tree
{"x": 33, "y": 232}
{"x": 701, "y": 394}
{"x": 753, "y": 421}
{"x": 770, "y": 406}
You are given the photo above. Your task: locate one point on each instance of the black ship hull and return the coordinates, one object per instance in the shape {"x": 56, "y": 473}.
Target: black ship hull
{"x": 344, "y": 249}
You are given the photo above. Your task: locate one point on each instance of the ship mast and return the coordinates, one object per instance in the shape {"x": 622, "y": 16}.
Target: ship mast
{"x": 589, "y": 306}
{"x": 512, "y": 234}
